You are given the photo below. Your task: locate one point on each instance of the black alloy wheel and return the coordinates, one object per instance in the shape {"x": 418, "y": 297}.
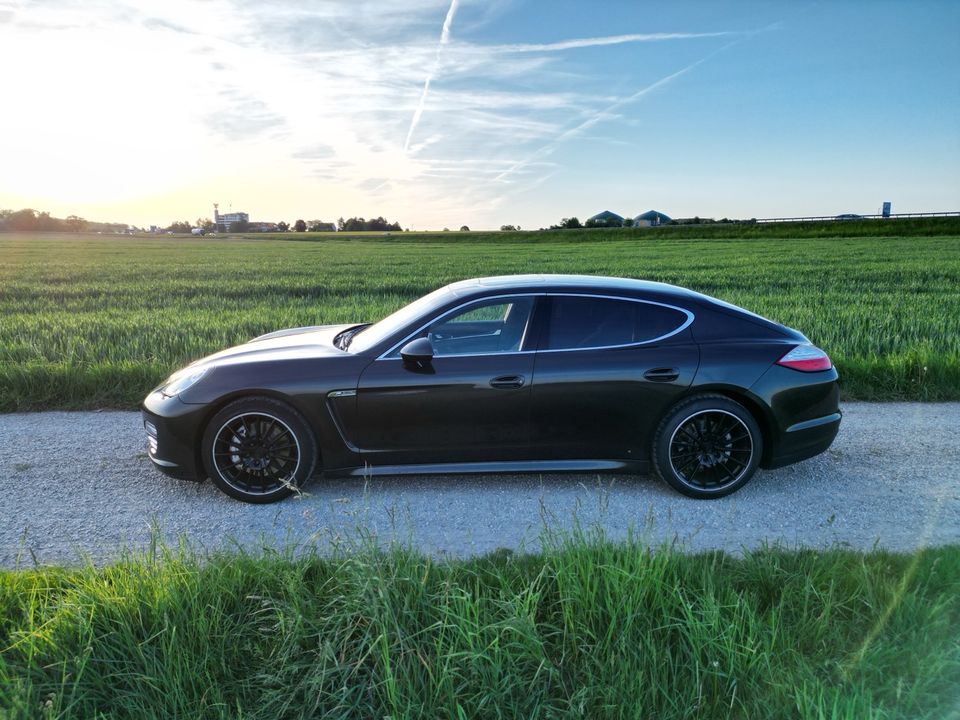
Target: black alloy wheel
{"x": 259, "y": 450}
{"x": 708, "y": 446}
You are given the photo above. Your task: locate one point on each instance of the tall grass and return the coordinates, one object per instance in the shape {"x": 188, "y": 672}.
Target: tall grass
{"x": 588, "y": 628}
{"x": 91, "y": 321}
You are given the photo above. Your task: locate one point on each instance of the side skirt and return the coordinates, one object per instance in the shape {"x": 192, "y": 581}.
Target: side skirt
{"x": 517, "y": 466}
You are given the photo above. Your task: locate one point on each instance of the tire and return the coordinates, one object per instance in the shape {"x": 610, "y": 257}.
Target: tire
{"x": 259, "y": 450}
{"x": 707, "y": 446}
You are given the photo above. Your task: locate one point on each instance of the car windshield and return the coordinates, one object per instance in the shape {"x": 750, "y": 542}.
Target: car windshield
{"x": 378, "y": 332}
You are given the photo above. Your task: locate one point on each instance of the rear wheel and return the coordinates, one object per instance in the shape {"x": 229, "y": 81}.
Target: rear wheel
{"x": 707, "y": 447}
{"x": 259, "y": 450}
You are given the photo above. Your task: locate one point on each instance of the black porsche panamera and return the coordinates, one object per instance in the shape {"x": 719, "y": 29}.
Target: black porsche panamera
{"x": 515, "y": 373}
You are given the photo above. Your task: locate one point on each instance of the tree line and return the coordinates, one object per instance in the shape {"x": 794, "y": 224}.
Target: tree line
{"x": 354, "y": 224}
{"x": 29, "y": 220}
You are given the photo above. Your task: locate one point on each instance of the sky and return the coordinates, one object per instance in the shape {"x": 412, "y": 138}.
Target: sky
{"x": 442, "y": 113}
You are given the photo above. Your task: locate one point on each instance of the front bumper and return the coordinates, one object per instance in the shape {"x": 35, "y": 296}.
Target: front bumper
{"x": 172, "y": 433}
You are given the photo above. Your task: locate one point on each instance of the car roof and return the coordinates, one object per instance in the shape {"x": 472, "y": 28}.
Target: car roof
{"x": 663, "y": 292}
{"x": 558, "y": 283}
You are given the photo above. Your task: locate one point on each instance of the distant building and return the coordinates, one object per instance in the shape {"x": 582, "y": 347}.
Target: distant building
{"x": 605, "y": 219}
{"x": 224, "y": 221}
{"x": 651, "y": 218}
{"x": 260, "y": 226}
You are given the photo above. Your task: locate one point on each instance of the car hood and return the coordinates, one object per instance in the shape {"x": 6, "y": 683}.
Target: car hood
{"x": 295, "y": 343}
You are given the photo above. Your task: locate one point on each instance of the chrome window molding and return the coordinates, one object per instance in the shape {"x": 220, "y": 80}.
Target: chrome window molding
{"x": 384, "y": 356}
{"x": 676, "y": 331}
{"x": 689, "y": 321}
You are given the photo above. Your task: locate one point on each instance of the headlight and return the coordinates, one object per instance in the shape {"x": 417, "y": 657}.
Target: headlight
{"x": 182, "y": 380}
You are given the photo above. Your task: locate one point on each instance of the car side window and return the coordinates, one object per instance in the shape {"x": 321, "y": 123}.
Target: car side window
{"x": 590, "y": 322}
{"x": 482, "y": 328}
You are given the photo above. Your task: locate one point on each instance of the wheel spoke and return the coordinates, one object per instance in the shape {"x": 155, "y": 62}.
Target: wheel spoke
{"x": 270, "y": 426}
{"x": 711, "y": 449}
{"x": 686, "y": 430}
{"x": 256, "y": 453}
{"x": 689, "y": 463}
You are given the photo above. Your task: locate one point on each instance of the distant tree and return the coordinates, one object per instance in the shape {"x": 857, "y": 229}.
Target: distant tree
{"x": 300, "y": 226}
{"x": 48, "y": 223}
{"x": 239, "y": 226}
{"x": 628, "y": 222}
{"x": 359, "y": 224}
{"x": 571, "y": 223}
{"x": 206, "y": 224}
{"x": 464, "y": 228}
{"x": 180, "y": 226}
{"x": 75, "y": 223}
{"x": 22, "y": 220}
{"x": 508, "y": 228}
{"x": 282, "y": 226}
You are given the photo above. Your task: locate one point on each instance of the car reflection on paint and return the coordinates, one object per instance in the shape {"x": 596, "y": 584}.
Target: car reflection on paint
{"x": 505, "y": 374}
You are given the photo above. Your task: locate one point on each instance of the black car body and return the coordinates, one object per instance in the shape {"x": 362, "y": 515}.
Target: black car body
{"x": 512, "y": 373}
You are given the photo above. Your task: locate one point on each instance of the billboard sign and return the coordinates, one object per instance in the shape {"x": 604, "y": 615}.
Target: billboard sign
{"x": 886, "y": 209}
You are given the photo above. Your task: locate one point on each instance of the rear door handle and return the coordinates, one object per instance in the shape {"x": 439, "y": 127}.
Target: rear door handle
{"x": 507, "y": 382}
{"x": 662, "y": 374}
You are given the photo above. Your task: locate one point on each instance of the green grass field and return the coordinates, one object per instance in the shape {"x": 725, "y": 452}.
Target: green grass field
{"x": 588, "y": 629}
{"x": 89, "y": 321}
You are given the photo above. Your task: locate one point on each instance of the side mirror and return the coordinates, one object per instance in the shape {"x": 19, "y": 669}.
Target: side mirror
{"x": 417, "y": 352}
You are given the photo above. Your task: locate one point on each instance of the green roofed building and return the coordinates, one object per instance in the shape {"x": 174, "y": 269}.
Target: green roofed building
{"x": 605, "y": 219}
{"x": 650, "y": 218}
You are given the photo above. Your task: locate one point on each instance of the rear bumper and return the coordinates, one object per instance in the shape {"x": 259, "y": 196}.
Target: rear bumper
{"x": 171, "y": 428}
{"x": 805, "y": 439}
{"x": 804, "y": 413}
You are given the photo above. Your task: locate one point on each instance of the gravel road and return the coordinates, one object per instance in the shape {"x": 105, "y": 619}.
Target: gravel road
{"x": 79, "y": 484}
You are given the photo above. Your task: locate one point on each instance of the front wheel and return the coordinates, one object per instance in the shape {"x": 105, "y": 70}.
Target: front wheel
{"x": 259, "y": 450}
{"x": 707, "y": 447}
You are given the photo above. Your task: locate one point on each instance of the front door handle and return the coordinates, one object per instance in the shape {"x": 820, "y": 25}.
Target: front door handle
{"x": 662, "y": 374}
{"x": 507, "y": 382}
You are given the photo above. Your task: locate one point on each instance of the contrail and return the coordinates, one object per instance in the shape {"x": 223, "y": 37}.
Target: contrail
{"x": 606, "y": 113}
{"x": 607, "y": 40}
{"x": 444, "y": 39}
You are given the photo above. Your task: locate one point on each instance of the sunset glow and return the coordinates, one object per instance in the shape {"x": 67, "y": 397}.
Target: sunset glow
{"x": 476, "y": 113}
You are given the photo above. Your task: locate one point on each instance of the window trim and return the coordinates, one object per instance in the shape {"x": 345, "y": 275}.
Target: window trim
{"x": 683, "y": 326}
{"x": 468, "y": 303}
{"x": 676, "y": 331}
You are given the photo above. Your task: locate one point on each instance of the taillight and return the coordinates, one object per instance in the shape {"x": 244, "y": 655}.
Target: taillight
{"x": 806, "y": 358}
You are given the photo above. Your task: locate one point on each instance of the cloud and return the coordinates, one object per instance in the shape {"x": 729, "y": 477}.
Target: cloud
{"x": 245, "y": 118}
{"x": 155, "y": 23}
{"x": 315, "y": 152}
{"x": 329, "y": 94}
{"x": 606, "y": 113}
{"x": 444, "y": 40}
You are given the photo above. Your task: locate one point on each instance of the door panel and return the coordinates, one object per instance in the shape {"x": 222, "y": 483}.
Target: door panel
{"x": 458, "y": 409}
{"x": 598, "y": 404}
